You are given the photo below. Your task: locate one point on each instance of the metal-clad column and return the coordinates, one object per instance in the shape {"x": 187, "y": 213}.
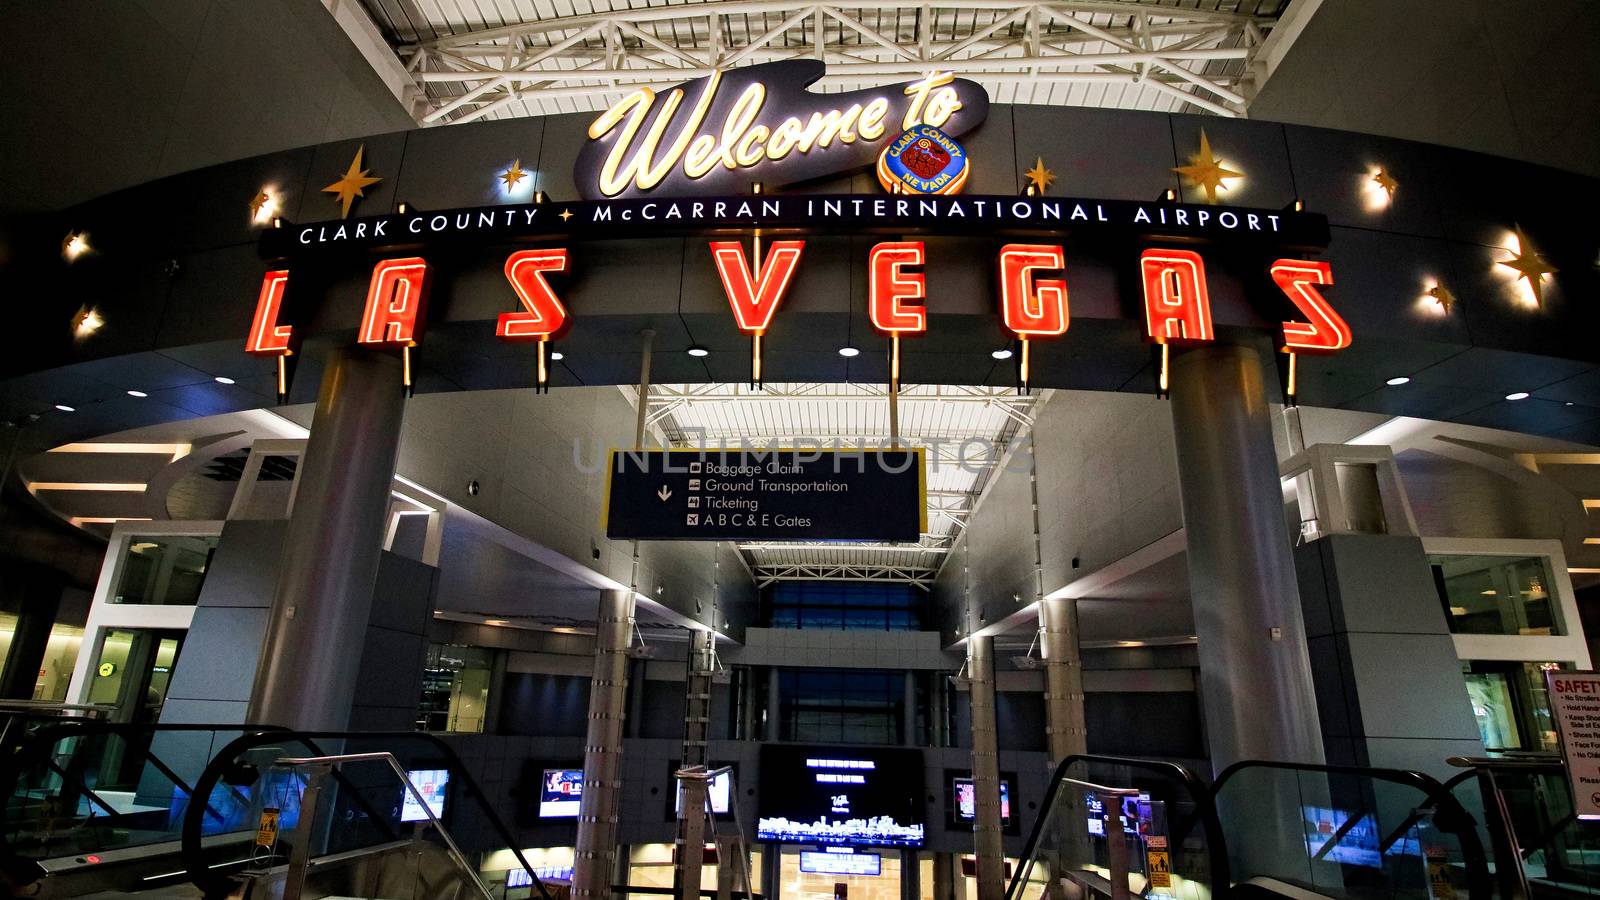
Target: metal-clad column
{"x": 908, "y": 709}
{"x": 1255, "y": 671}
{"x": 602, "y": 748}
{"x": 307, "y": 675}
{"x": 696, "y": 728}
{"x": 1063, "y": 673}
{"x": 772, "y": 732}
{"x": 985, "y": 769}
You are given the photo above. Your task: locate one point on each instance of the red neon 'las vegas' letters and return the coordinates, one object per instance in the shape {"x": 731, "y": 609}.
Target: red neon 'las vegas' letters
{"x": 754, "y": 303}
{"x": 889, "y": 285}
{"x": 396, "y": 300}
{"x": 1176, "y": 304}
{"x": 1031, "y": 306}
{"x": 1326, "y": 332}
{"x": 267, "y": 337}
{"x": 543, "y": 313}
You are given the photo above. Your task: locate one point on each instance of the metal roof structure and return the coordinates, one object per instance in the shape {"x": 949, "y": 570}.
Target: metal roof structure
{"x": 965, "y": 431}
{"x": 495, "y": 59}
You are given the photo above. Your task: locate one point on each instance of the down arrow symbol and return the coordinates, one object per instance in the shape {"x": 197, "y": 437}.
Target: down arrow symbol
{"x": 663, "y": 493}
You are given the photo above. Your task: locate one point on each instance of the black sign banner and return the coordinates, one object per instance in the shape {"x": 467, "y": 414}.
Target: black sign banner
{"x": 767, "y": 495}
{"x": 801, "y": 214}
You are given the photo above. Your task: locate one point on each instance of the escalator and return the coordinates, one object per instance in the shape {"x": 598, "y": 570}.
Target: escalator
{"x": 1122, "y": 828}
{"x": 1538, "y": 846}
{"x": 117, "y": 810}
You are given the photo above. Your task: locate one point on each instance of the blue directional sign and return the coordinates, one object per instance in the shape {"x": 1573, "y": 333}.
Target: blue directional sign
{"x": 767, "y": 495}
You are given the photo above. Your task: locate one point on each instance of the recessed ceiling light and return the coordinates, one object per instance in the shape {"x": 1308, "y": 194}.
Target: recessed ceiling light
{"x": 698, "y": 351}
{"x": 1397, "y": 381}
{"x": 65, "y": 408}
{"x": 137, "y": 394}
{"x": 849, "y": 351}
{"x": 557, "y": 356}
{"x": 1002, "y": 353}
{"x": 223, "y": 379}
{"x": 1519, "y": 395}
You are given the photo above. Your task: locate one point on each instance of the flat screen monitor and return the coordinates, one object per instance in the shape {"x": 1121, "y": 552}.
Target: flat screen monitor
{"x": 560, "y": 792}
{"x": 841, "y": 796}
{"x": 967, "y": 801}
{"x": 718, "y": 790}
{"x": 832, "y": 862}
{"x": 1357, "y": 841}
{"x": 431, "y": 783}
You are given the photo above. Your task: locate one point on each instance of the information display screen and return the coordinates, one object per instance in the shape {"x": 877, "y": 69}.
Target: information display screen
{"x": 560, "y": 792}
{"x": 833, "y": 862}
{"x": 431, "y": 783}
{"x": 841, "y": 796}
{"x": 967, "y": 800}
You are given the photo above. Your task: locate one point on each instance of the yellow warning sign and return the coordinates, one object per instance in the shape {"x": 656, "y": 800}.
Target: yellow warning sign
{"x": 1439, "y": 879}
{"x": 1158, "y": 867}
{"x": 267, "y": 831}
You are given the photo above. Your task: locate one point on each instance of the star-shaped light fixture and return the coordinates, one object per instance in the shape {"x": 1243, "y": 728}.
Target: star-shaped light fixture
{"x": 1040, "y": 177}
{"x": 1206, "y": 171}
{"x": 1529, "y": 265}
{"x": 262, "y": 207}
{"x": 1385, "y": 181}
{"x": 1442, "y": 297}
{"x": 513, "y": 175}
{"x": 355, "y": 181}
{"x": 566, "y": 214}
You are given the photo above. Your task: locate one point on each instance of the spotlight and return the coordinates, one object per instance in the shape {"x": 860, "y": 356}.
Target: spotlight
{"x": 848, "y": 352}
{"x": 1397, "y": 381}
{"x": 1519, "y": 395}
{"x": 1002, "y": 353}
{"x": 86, "y": 322}
{"x": 698, "y": 351}
{"x": 402, "y": 207}
{"x": 223, "y": 379}
{"x": 139, "y": 394}
{"x": 557, "y": 356}
{"x": 75, "y": 245}
{"x": 65, "y": 408}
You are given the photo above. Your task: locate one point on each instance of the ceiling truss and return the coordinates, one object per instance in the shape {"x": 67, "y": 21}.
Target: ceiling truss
{"x": 920, "y": 576}
{"x": 1203, "y": 59}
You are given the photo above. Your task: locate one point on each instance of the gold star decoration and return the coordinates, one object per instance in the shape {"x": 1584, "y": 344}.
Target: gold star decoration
{"x": 1039, "y": 176}
{"x": 566, "y": 214}
{"x": 262, "y": 198}
{"x": 1386, "y": 181}
{"x": 1206, "y": 171}
{"x": 355, "y": 181}
{"x": 513, "y": 175}
{"x": 1529, "y": 265}
{"x": 1442, "y": 296}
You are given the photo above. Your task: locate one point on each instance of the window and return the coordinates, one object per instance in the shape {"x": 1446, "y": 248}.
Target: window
{"x": 164, "y": 571}
{"x": 838, "y": 706}
{"x": 455, "y": 688}
{"x": 1511, "y": 704}
{"x": 1496, "y": 594}
{"x": 858, "y": 606}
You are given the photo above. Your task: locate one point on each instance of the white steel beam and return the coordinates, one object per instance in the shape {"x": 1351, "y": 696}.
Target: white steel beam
{"x": 595, "y": 58}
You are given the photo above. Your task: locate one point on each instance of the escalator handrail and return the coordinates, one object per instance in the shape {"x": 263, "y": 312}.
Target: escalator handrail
{"x": 35, "y": 747}
{"x": 1204, "y": 802}
{"x": 1435, "y": 794}
{"x": 203, "y": 877}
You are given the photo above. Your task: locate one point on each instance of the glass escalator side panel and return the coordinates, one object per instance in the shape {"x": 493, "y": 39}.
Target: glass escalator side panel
{"x": 1341, "y": 834}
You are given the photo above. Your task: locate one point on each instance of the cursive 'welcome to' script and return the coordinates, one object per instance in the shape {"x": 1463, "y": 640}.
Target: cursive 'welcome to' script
{"x": 759, "y": 124}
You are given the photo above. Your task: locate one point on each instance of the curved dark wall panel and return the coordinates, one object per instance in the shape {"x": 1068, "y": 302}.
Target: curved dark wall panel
{"x": 176, "y": 270}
